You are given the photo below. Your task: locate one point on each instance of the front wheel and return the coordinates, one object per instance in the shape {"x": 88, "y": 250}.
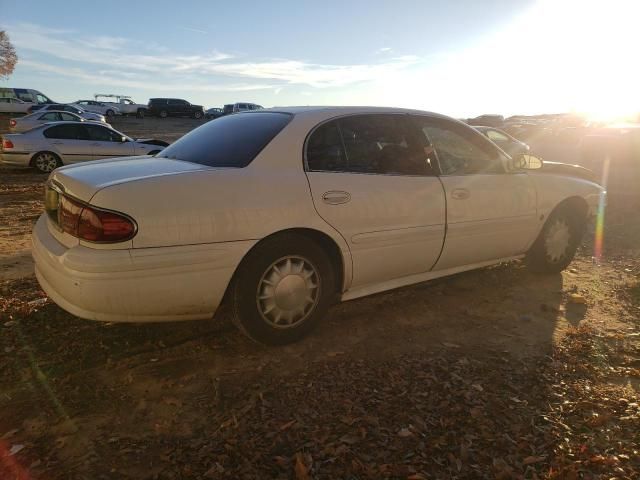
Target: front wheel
{"x": 197, "y": 115}
{"x": 282, "y": 289}
{"x": 46, "y": 162}
{"x": 140, "y": 113}
{"x": 110, "y": 114}
{"x": 164, "y": 114}
{"x": 556, "y": 245}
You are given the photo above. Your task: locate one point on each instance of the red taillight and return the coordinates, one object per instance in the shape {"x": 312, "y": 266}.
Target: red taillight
{"x": 102, "y": 226}
{"x": 93, "y": 224}
{"x": 7, "y": 143}
{"x": 12, "y": 123}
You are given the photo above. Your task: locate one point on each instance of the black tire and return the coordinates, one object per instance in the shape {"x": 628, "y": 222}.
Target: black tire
{"x": 46, "y": 162}
{"x": 197, "y": 115}
{"x": 110, "y": 114}
{"x": 252, "y": 314}
{"x": 140, "y": 113}
{"x": 558, "y": 241}
{"x": 163, "y": 114}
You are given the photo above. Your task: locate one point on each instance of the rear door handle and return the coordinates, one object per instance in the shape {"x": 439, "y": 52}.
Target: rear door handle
{"x": 57, "y": 143}
{"x": 334, "y": 197}
{"x": 460, "y": 194}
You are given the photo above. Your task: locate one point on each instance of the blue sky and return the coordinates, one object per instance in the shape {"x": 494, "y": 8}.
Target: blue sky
{"x": 459, "y": 57}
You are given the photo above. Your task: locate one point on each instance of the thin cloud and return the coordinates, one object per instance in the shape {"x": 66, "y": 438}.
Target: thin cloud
{"x": 384, "y": 50}
{"x": 163, "y": 68}
{"x": 191, "y": 29}
{"x": 121, "y": 79}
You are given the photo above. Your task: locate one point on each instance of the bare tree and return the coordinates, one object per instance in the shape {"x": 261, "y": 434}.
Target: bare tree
{"x": 8, "y": 57}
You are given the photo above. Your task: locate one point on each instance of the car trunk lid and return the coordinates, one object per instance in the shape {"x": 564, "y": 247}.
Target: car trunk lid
{"x": 83, "y": 181}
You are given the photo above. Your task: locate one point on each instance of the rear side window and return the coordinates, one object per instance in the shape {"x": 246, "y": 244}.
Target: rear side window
{"x": 378, "y": 144}
{"x": 50, "y": 116}
{"x": 231, "y": 141}
{"x": 67, "y": 132}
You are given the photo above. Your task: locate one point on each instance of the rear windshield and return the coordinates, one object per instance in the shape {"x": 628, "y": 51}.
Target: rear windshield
{"x": 232, "y": 141}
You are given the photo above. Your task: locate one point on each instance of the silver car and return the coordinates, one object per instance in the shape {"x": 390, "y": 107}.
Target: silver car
{"x": 62, "y": 107}
{"x": 61, "y": 143}
{"x": 22, "y": 124}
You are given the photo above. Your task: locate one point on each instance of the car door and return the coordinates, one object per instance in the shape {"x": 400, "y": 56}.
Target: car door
{"x": 70, "y": 141}
{"x": 371, "y": 181}
{"x": 108, "y": 143}
{"x": 491, "y": 212}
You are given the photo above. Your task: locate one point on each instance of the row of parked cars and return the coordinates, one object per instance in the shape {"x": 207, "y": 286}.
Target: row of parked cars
{"x": 21, "y": 100}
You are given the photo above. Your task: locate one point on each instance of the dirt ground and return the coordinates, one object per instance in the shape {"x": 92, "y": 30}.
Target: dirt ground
{"x": 496, "y": 373}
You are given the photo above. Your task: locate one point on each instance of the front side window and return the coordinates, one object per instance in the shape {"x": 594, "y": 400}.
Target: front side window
{"x": 460, "y": 152}
{"x": 380, "y": 144}
{"x": 50, "y": 116}
{"x": 230, "y": 141}
{"x": 42, "y": 99}
{"x": 68, "y": 116}
{"x": 67, "y": 132}
{"x": 102, "y": 134}
{"x": 496, "y": 136}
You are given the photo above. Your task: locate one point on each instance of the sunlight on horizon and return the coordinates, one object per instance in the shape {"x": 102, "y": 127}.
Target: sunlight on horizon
{"x": 557, "y": 57}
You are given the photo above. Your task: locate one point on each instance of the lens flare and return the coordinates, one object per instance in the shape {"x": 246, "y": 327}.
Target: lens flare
{"x": 599, "y": 235}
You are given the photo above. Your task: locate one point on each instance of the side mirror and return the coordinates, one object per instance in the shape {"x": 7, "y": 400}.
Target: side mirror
{"x": 527, "y": 161}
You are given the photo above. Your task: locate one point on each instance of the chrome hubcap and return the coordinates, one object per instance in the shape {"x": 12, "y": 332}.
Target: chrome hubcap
{"x": 557, "y": 240}
{"x": 288, "y": 292}
{"x": 46, "y": 162}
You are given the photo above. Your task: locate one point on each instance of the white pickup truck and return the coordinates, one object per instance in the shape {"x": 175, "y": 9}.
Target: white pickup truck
{"x": 124, "y": 103}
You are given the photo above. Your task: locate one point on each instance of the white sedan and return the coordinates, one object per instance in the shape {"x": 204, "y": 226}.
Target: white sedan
{"x": 13, "y": 105}
{"x": 27, "y": 122}
{"x": 284, "y": 211}
{"x": 62, "y": 143}
{"x": 105, "y": 109}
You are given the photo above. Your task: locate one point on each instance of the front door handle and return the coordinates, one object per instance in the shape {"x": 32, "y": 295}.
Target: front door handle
{"x": 460, "y": 194}
{"x": 57, "y": 143}
{"x": 334, "y": 197}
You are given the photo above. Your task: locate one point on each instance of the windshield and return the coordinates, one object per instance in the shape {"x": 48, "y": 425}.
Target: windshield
{"x": 232, "y": 141}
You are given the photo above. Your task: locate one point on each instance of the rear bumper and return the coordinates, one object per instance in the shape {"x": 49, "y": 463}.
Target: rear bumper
{"x": 135, "y": 285}
{"x": 19, "y": 159}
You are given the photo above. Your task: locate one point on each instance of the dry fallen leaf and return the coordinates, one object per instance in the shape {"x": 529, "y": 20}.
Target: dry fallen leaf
{"x": 301, "y": 470}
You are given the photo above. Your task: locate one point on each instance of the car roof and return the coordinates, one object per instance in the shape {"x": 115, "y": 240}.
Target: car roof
{"x": 71, "y": 122}
{"x": 56, "y": 111}
{"x": 326, "y": 112}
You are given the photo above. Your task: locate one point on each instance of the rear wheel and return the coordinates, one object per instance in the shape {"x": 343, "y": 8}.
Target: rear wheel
{"x": 140, "y": 113}
{"x": 110, "y": 114}
{"x": 164, "y": 114}
{"x": 556, "y": 245}
{"x": 46, "y": 162}
{"x": 282, "y": 289}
